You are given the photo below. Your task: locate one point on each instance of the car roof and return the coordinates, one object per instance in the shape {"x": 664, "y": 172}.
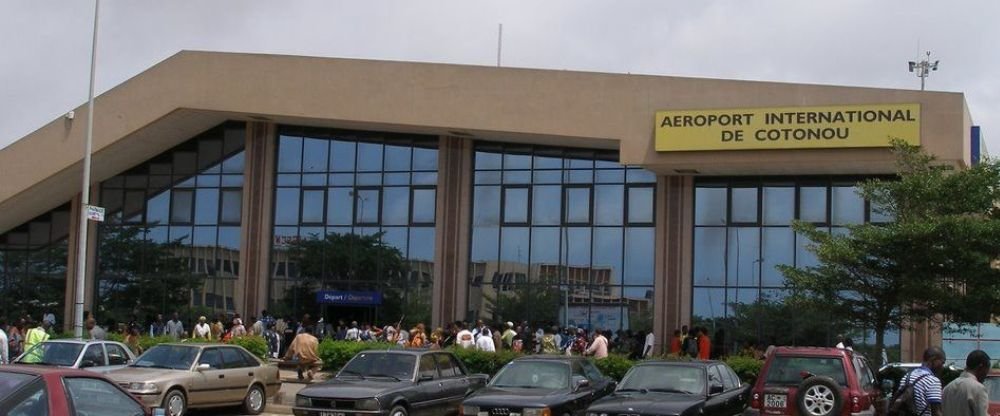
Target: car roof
{"x": 397, "y": 350}
{"x": 814, "y": 351}
{"x": 78, "y": 341}
{"x": 550, "y": 357}
{"x": 40, "y": 370}
{"x": 691, "y": 363}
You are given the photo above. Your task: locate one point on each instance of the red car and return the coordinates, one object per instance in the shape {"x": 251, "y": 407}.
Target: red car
{"x": 32, "y": 390}
{"x": 992, "y": 384}
{"x": 811, "y": 381}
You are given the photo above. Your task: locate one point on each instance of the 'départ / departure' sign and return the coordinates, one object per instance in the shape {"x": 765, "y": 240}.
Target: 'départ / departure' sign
{"x": 788, "y": 127}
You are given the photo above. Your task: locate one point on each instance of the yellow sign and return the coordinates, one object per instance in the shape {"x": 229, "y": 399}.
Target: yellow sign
{"x": 787, "y": 127}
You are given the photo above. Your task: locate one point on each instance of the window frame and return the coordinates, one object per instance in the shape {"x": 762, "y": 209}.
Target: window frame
{"x": 566, "y": 188}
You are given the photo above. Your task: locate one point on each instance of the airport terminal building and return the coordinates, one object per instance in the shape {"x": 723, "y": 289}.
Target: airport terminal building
{"x": 375, "y": 190}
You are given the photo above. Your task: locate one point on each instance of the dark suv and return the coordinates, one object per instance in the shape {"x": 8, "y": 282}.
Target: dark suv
{"x": 810, "y": 381}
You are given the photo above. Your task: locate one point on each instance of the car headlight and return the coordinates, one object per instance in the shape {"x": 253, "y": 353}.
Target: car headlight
{"x": 366, "y": 404}
{"x": 302, "y": 401}
{"x": 144, "y": 388}
{"x": 470, "y": 410}
{"x": 544, "y": 411}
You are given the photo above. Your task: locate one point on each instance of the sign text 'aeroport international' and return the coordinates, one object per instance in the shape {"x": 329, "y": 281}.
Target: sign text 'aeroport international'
{"x": 787, "y": 127}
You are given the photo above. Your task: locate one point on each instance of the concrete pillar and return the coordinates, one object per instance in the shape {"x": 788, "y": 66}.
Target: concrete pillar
{"x": 452, "y": 230}
{"x": 252, "y": 285}
{"x": 69, "y": 305}
{"x": 674, "y": 205}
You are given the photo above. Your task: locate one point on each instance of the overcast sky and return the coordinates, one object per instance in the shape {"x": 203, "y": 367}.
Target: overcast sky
{"x": 45, "y": 45}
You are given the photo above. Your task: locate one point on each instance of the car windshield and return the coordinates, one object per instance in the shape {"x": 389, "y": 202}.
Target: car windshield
{"x": 790, "y": 370}
{"x": 993, "y": 388}
{"x": 668, "y": 379}
{"x": 176, "y": 357}
{"x": 63, "y": 354}
{"x": 10, "y": 382}
{"x": 533, "y": 375}
{"x": 378, "y": 365}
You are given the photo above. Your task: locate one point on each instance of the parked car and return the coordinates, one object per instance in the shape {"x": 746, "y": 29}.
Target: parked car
{"x": 40, "y": 390}
{"x": 992, "y": 384}
{"x": 184, "y": 376}
{"x": 813, "y": 381}
{"x": 394, "y": 382}
{"x": 540, "y": 385}
{"x": 97, "y": 356}
{"x": 707, "y": 388}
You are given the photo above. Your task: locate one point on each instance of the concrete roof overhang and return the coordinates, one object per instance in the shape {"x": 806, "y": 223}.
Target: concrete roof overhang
{"x": 191, "y": 92}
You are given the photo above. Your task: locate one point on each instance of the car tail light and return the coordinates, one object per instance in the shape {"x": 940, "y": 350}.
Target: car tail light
{"x": 855, "y": 404}
{"x": 755, "y": 401}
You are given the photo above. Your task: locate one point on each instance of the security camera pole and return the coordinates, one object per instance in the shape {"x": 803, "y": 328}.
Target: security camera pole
{"x": 923, "y": 68}
{"x": 85, "y": 209}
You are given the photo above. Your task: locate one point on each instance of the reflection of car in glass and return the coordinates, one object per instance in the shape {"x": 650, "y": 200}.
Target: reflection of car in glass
{"x": 540, "y": 385}
{"x": 812, "y": 381}
{"x": 676, "y": 388}
{"x": 394, "y": 382}
{"x": 98, "y": 356}
{"x": 38, "y": 390}
{"x": 182, "y": 376}
{"x": 992, "y": 384}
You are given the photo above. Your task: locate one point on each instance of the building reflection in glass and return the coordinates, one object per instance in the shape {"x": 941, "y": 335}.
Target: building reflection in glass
{"x": 171, "y": 240}
{"x": 33, "y": 266}
{"x": 561, "y": 236}
{"x": 354, "y": 211}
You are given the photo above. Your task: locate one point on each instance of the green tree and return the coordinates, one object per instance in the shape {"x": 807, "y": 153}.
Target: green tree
{"x": 538, "y": 304}
{"x": 935, "y": 259}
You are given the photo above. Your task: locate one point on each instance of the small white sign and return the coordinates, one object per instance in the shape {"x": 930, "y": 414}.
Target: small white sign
{"x": 95, "y": 213}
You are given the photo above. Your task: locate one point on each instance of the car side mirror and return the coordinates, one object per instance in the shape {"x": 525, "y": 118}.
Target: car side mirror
{"x": 204, "y": 366}
{"x": 426, "y": 378}
{"x": 715, "y": 389}
{"x": 580, "y": 382}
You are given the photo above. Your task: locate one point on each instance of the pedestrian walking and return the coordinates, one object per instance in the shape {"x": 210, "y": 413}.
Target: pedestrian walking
{"x": 353, "y": 334}
{"x": 158, "y": 327}
{"x": 647, "y": 346}
{"x": 485, "y": 341}
{"x": 175, "y": 328}
{"x": 132, "y": 341}
{"x": 549, "y": 344}
{"x": 15, "y": 339}
{"x": 238, "y": 330}
{"x": 95, "y": 332}
{"x": 704, "y": 345}
{"x": 599, "y": 348}
{"x": 675, "y": 343}
{"x": 926, "y": 386}
{"x": 966, "y": 395}
{"x": 464, "y": 338}
{"x": 4, "y": 347}
{"x": 304, "y": 348}
{"x": 202, "y": 330}
{"x": 273, "y": 340}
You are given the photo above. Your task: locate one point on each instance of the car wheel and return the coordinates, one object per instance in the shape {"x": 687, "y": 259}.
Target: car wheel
{"x": 175, "y": 403}
{"x": 819, "y": 396}
{"x": 398, "y": 410}
{"x": 255, "y": 401}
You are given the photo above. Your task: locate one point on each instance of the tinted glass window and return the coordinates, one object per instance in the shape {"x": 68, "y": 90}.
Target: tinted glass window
{"x": 381, "y": 364}
{"x": 93, "y": 356}
{"x": 446, "y": 366}
{"x": 170, "y": 356}
{"x": 714, "y": 376}
{"x": 91, "y": 396}
{"x": 733, "y": 376}
{"x": 10, "y": 382}
{"x": 250, "y": 360}
{"x": 428, "y": 368}
{"x": 232, "y": 358}
{"x": 212, "y": 357}
{"x": 533, "y": 374}
{"x": 63, "y": 354}
{"x": 728, "y": 382}
{"x": 592, "y": 371}
{"x": 32, "y": 402}
{"x": 688, "y": 380}
{"x": 787, "y": 370}
{"x": 116, "y": 354}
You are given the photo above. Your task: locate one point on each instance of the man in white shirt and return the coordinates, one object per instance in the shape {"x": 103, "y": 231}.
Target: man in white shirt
{"x": 50, "y": 318}
{"x": 485, "y": 341}
{"x": 464, "y": 338}
{"x": 647, "y": 349}
{"x": 201, "y": 329}
{"x": 353, "y": 334}
{"x": 598, "y": 348}
{"x": 175, "y": 328}
{"x": 4, "y": 359}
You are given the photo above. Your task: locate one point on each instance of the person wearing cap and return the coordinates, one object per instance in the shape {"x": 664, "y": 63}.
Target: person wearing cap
{"x": 238, "y": 329}
{"x": 201, "y": 329}
{"x": 353, "y": 334}
{"x": 508, "y": 336}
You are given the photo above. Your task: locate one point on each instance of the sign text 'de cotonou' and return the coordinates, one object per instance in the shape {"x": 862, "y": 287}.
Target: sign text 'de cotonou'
{"x": 788, "y": 127}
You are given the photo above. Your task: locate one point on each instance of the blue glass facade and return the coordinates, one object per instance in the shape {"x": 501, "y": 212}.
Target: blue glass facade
{"x": 33, "y": 266}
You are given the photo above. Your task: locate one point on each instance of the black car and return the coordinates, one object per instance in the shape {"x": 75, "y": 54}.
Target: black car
{"x": 540, "y": 386}
{"x": 393, "y": 382}
{"x": 676, "y": 388}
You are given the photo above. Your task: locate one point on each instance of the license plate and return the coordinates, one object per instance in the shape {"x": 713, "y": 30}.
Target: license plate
{"x": 332, "y": 414}
{"x": 775, "y": 400}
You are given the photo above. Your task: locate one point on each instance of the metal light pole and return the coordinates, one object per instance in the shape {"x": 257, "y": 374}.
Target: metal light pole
{"x": 923, "y": 68}
{"x": 81, "y": 245}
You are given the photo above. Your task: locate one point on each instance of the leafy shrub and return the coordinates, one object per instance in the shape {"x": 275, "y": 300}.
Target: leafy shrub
{"x": 147, "y": 342}
{"x": 481, "y": 362}
{"x": 337, "y": 353}
{"x": 253, "y": 343}
{"x": 614, "y": 366}
{"x": 748, "y": 368}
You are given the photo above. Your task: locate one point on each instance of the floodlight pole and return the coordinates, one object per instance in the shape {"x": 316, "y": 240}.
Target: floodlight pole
{"x": 923, "y": 69}
{"x": 81, "y": 244}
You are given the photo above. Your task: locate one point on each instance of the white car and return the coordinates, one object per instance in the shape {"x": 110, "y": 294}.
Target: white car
{"x": 97, "y": 356}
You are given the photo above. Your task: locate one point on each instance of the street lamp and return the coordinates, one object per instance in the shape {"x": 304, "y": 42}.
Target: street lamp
{"x": 81, "y": 244}
{"x": 923, "y": 68}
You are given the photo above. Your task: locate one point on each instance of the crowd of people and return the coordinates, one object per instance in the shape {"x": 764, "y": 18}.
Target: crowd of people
{"x": 22, "y": 334}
